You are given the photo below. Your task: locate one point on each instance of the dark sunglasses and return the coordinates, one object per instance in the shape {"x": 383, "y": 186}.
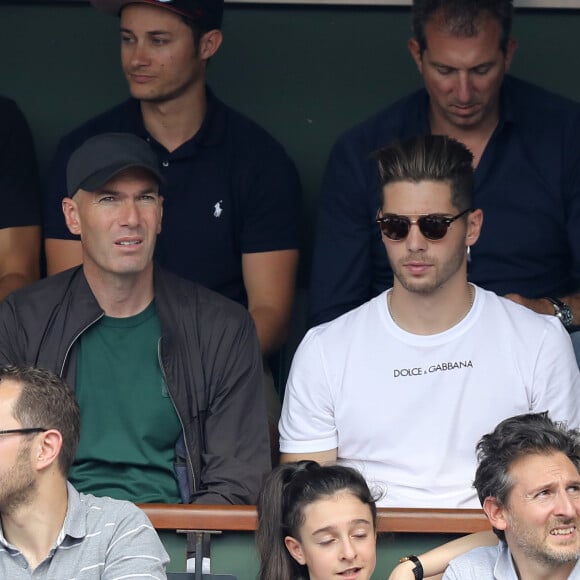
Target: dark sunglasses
{"x": 433, "y": 226}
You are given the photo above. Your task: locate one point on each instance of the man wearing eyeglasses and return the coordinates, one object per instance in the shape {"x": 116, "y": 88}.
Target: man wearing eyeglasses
{"x": 47, "y": 528}
{"x": 526, "y": 146}
{"x": 403, "y": 386}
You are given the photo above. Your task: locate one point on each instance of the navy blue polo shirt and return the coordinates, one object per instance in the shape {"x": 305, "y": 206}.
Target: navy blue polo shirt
{"x": 19, "y": 182}
{"x": 230, "y": 190}
{"x": 527, "y": 183}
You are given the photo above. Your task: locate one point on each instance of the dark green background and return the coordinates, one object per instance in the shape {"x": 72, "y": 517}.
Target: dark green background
{"x": 306, "y": 73}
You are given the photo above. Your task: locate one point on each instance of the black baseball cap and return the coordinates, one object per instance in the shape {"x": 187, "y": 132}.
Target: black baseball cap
{"x": 207, "y": 14}
{"x": 103, "y": 156}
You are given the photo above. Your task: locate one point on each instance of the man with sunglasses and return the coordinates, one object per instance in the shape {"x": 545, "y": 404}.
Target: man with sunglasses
{"x": 526, "y": 146}
{"x": 403, "y": 386}
{"x": 47, "y": 528}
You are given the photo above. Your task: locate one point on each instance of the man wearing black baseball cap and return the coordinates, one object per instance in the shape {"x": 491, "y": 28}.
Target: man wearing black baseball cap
{"x": 232, "y": 195}
{"x": 105, "y": 156}
{"x": 205, "y": 14}
{"x": 167, "y": 373}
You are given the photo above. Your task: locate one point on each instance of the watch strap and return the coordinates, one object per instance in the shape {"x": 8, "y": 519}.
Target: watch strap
{"x": 418, "y": 569}
{"x": 562, "y": 311}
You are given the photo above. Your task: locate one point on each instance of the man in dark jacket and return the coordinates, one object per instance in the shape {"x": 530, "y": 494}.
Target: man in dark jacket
{"x": 166, "y": 372}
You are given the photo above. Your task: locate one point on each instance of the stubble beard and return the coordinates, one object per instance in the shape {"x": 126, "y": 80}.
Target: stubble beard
{"x": 18, "y": 486}
{"x": 438, "y": 275}
{"x": 471, "y": 123}
{"x": 537, "y": 549}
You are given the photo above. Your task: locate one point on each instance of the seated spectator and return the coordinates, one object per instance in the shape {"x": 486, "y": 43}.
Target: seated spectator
{"x": 166, "y": 372}
{"x": 232, "y": 195}
{"x": 316, "y": 522}
{"x": 20, "y": 219}
{"x": 526, "y": 146}
{"x": 403, "y": 386}
{"x": 507, "y": 457}
{"x": 528, "y": 482}
{"x": 48, "y": 529}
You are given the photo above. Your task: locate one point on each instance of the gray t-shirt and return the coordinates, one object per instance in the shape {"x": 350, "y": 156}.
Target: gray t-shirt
{"x": 489, "y": 563}
{"x": 101, "y": 538}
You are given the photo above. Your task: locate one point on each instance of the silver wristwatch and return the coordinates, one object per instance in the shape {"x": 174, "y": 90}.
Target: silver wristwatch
{"x": 562, "y": 311}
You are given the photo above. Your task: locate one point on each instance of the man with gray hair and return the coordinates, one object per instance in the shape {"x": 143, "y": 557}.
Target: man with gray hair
{"x": 403, "y": 386}
{"x": 528, "y": 482}
{"x": 48, "y": 529}
{"x": 167, "y": 373}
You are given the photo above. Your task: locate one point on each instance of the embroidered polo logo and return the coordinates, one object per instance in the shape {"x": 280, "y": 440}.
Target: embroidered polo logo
{"x": 217, "y": 209}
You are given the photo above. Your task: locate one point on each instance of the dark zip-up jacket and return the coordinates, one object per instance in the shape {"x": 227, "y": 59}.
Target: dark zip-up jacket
{"x": 210, "y": 358}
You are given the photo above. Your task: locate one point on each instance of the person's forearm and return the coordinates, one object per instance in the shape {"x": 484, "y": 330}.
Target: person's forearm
{"x": 436, "y": 560}
{"x": 14, "y": 281}
{"x": 19, "y": 259}
{"x": 269, "y": 278}
{"x": 271, "y": 328}
{"x": 544, "y": 306}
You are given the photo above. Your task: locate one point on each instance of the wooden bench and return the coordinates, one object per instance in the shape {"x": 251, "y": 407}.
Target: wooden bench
{"x": 401, "y": 531}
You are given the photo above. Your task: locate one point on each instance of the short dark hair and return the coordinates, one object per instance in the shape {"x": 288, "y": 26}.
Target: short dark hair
{"x": 430, "y": 158}
{"x": 462, "y": 17}
{"x": 196, "y": 30}
{"x": 46, "y": 401}
{"x": 516, "y": 437}
{"x": 210, "y": 19}
{"x": 288, "y": 489}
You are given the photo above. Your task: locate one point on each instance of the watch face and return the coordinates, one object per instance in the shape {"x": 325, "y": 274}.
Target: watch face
{"x": 563, "y": 312}
{"x": 566, "y": 316}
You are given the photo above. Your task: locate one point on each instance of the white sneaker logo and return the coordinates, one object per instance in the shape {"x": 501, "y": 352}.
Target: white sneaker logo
{"x": 217, "y": 209}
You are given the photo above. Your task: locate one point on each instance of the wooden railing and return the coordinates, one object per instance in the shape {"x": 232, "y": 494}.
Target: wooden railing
{"x": 243, "y": 518}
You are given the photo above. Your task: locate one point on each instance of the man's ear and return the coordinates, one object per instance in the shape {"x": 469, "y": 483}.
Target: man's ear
{"x": 474, "y": 223}
{"x": 48, "y": 449}
{"x": 496, "y": 513}
{"x": 210, "y": 43}
{"x": 415, "y": 50}
{"x": 295, "y": 549}
{"x": 512, "y": 46}
{"x": 71, "y": 215}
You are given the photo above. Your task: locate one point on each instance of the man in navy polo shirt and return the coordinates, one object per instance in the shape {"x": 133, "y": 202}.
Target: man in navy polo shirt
{"x": 232, "y": 204}
{"x": 526, "y": 146}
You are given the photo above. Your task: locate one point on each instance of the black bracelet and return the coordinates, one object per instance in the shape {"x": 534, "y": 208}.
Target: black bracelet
{"x": 418, "y": 569}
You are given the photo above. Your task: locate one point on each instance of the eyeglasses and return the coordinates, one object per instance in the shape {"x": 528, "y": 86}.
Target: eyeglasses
{"x": 25, "y": 431}
{"x": 433, "y": 226}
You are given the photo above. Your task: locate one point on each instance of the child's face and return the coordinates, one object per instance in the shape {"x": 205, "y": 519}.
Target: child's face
{"x": 337, "y": 539}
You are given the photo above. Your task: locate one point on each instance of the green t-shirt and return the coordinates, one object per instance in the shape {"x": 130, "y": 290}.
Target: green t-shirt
{"x": 129, "y": 424}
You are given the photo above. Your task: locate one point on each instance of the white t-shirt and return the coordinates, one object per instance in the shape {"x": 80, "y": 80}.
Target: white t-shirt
{"x": 407, "y": 410}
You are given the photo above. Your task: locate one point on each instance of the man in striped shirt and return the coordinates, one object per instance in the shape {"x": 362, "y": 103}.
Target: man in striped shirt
{"x": 48, "y": 529}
